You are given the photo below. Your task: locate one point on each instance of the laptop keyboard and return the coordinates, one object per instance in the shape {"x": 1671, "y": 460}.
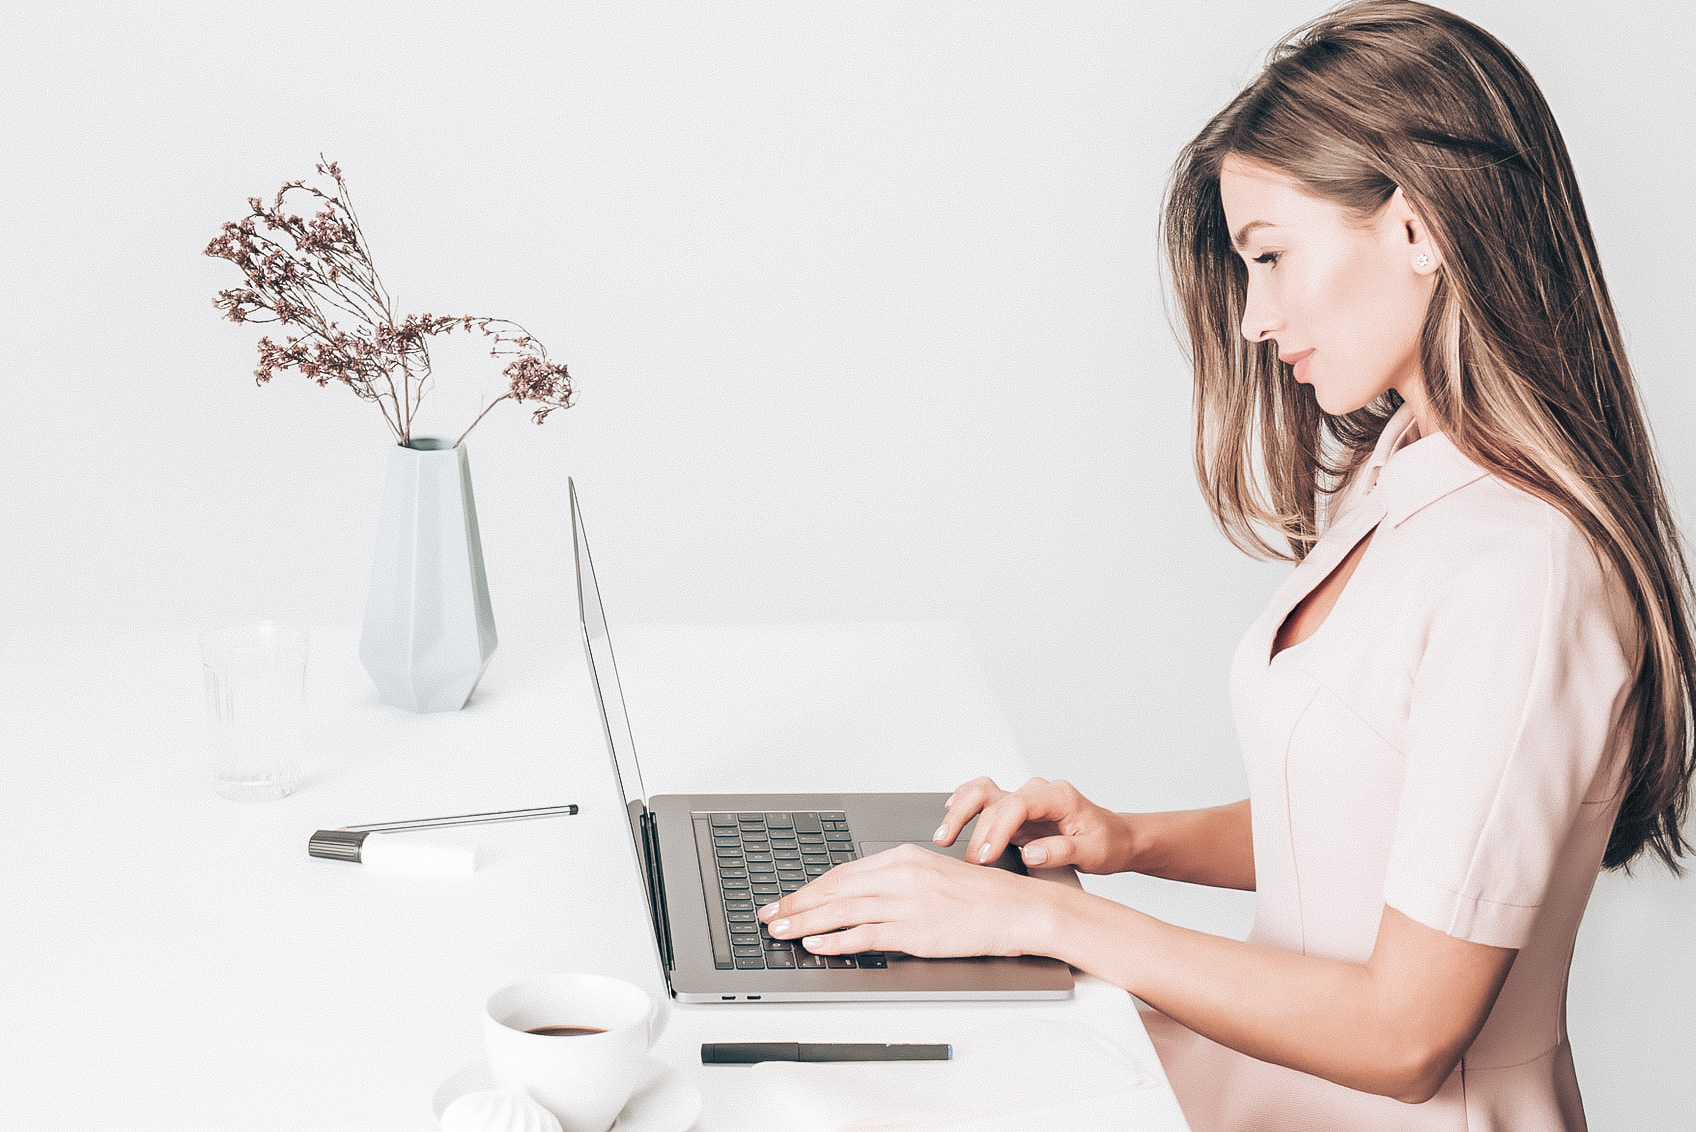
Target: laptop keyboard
{"x": 758, "y": 858}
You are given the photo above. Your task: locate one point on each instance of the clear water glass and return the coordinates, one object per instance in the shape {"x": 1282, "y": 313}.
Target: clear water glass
{"x": 256, "y": 708}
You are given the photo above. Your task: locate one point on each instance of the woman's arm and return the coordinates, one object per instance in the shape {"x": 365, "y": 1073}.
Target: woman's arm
{"x": 1213, "y": 846}
{"x": 1396, "y": 1025}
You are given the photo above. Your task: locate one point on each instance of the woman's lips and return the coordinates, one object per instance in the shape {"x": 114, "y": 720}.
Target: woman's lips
{"x": 1295, "y": 362}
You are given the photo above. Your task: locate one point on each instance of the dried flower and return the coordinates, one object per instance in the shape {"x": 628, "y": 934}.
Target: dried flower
{"x": 314, "y": 275}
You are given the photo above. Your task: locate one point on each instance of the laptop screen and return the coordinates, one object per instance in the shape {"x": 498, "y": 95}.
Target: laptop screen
{"x": 603, "y": 669}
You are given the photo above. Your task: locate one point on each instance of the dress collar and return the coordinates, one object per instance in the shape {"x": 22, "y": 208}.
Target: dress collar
{"x": 1408, "y": 472}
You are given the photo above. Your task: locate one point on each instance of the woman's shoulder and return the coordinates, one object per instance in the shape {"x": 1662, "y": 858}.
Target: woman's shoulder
{"x": 1500, "y": 551}
{"x": 1462, "y": 516}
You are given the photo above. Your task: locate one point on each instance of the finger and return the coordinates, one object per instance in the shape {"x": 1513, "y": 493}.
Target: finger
{"x": 848, "y": 942}
{"x": 964, "y": 805}
{"x": 814, "y": 894}
{"x": 836, "y": 915}
{"x": 967, "y": 800}
{"x": 1000, "y": 822}
{"x": 981, "y": 782}
{"x": 842, "y": 880}
{"x": 995, "y": 827}
{"x": 1050, "y": 852}
{"x": 1036, "y": 800}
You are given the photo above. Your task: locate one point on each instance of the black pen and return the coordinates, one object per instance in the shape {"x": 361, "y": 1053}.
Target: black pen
{"x": 747, "y": 1053}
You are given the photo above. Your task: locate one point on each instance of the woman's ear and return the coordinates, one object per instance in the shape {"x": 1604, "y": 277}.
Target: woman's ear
{"x": 1423, "y": 256}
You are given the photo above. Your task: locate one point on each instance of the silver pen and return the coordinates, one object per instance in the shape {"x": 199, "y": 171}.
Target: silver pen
{"x": 345, "y": 844}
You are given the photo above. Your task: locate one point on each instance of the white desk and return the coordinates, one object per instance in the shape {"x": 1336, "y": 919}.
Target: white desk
{"x": 174, "y": 961}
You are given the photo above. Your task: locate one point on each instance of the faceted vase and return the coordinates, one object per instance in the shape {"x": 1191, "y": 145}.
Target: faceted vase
{"x": 429, "y": 630}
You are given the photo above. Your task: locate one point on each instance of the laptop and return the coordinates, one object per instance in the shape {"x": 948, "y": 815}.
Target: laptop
{"x": 710, "y": 861}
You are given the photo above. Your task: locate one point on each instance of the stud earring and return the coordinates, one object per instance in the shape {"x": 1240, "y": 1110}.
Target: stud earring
{"x": 1421, "y": 262}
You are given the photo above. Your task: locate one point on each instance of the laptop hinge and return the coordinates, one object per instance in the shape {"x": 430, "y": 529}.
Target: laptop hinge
{"x": 656, "y": 889}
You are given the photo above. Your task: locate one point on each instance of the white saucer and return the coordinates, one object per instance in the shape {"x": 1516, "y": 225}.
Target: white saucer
{"x": 665, "y": 1099}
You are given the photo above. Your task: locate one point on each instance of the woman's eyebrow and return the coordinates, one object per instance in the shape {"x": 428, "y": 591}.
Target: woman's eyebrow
{"x": 1241, "y": 238}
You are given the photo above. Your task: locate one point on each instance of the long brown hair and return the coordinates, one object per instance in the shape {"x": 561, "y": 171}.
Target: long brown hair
{"x": 1522, "y": 356}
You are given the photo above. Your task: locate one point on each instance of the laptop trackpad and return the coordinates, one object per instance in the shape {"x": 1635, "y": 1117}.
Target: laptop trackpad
{"x": 1008, "y": 860}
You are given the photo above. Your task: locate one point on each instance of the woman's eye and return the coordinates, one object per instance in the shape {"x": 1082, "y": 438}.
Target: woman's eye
{"x": 1269, "y": 257}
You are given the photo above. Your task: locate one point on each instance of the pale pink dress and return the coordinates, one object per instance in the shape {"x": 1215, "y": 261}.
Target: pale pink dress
{"x": 1449, "y": 742}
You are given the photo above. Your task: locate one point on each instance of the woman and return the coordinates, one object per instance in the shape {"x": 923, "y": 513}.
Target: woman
{"x": 1474, "y": 689}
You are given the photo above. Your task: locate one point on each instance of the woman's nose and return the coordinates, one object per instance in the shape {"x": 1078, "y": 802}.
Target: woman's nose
{"x": 1260, "y": 317}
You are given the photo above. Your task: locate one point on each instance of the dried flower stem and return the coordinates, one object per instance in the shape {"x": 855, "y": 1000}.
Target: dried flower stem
{"x": 324, "y": 273}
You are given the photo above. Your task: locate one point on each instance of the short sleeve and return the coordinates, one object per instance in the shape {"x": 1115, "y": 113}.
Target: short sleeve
{"x": 1516, "y": 700}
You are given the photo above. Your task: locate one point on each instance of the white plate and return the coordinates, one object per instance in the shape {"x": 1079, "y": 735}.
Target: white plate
{"x": 665, "y": 1099}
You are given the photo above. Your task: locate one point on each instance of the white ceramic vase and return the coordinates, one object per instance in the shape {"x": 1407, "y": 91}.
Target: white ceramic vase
{"x": 429, "y": 629}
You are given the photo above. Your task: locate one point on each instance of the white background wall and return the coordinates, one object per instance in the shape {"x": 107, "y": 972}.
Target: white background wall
{"x": 863, "y": 302}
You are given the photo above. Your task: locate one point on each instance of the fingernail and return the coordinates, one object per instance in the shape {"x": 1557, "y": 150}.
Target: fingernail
{"x": 779, "y": 927}
{"x": 937, "y": 836}
{"x": 950, "y": 801}
{"x": 810, "y": 942}
{"x": 1035, "y": 854}
{"x": 983, "y": 855}
{"x": 767, "y": 912}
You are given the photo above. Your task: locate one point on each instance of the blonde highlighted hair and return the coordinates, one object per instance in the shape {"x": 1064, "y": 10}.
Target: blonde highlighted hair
{"x": 1523, "y": 360}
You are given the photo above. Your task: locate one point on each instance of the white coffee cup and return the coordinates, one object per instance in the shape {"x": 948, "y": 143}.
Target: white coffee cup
{"x": 582, "y": 1079}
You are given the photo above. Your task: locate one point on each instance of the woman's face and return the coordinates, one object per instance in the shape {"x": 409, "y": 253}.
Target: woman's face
{"x": 1344, "y": 303}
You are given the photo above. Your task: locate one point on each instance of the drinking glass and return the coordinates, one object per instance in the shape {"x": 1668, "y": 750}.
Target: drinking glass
{"x": 256, "y": 708}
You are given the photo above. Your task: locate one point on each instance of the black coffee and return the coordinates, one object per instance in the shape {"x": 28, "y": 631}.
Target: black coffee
{"x": 565, "y": 1031}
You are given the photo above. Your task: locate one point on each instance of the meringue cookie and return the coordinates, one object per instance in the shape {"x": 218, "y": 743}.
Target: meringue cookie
{"x": 498, "y": 1110}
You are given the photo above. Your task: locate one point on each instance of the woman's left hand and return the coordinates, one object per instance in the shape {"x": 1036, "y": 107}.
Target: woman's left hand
{"x": 912, "y": 900}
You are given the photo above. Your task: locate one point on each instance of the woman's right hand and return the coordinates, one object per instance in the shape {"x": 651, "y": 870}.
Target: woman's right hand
{"x": 1053, "y": 823}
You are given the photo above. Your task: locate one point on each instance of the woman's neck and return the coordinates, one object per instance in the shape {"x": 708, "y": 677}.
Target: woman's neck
{"x": 1413, "y": 393}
